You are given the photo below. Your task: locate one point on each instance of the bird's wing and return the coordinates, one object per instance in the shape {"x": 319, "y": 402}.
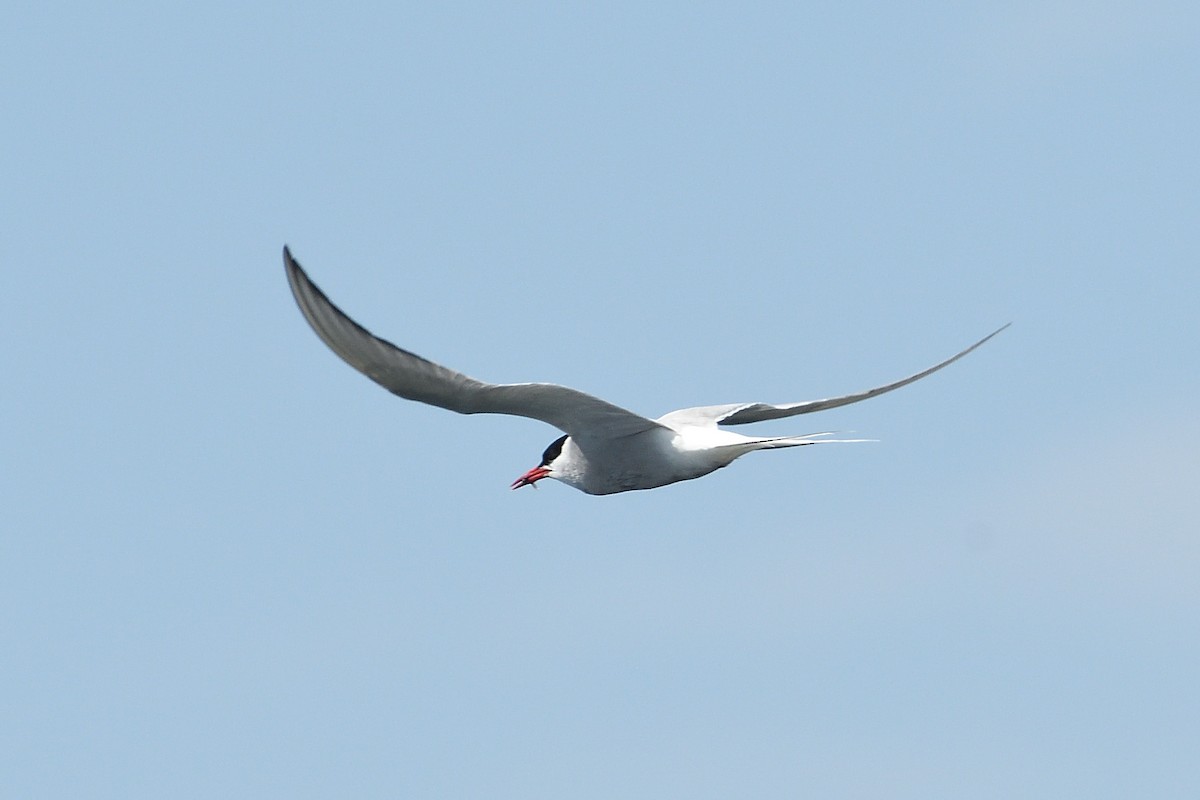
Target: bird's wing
{"x": 414, "y": 378}
{"x": 742, "y": 413}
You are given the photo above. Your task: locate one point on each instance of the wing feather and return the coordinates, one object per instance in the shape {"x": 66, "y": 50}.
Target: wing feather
{"x": 415, "y": 378}
{"x": 745, "y": 413}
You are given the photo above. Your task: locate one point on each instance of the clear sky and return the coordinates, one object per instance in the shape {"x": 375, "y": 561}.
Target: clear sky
{"x": 232, "y": 567}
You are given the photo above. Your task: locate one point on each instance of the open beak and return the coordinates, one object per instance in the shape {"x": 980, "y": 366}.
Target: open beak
{"x": 531, "y": 478}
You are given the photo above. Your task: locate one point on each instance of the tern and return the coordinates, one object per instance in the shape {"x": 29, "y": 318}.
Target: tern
{"x": 605, "y": 449}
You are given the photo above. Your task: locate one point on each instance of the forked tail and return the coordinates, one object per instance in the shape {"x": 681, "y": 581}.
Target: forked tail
{"x": 776, "y": 442}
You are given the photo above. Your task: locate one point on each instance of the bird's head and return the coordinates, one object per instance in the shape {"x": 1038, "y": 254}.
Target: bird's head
{"x": 545, "y": 469}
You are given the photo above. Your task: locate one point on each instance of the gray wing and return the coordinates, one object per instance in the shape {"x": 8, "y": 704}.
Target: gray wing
{"x": 743, "y": 413}
{"x": 414, "y": 378}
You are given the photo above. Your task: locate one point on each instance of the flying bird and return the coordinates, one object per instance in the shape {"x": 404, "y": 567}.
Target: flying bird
{"x": 605, "y": 449}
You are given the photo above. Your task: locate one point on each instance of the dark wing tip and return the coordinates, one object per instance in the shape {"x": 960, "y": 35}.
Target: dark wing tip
{"x": 996, "y": 332}
{"x": 299, "y": 281}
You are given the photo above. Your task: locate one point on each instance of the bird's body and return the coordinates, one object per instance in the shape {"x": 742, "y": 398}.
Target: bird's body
{"x": 649, "y": 460}
{"x": 606, "y": 449}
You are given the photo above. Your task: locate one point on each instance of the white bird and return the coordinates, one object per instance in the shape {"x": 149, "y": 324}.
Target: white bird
{"x": 605, "y": 449}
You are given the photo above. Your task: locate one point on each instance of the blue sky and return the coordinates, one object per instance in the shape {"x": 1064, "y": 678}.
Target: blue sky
{"x": 231, "y": 566}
